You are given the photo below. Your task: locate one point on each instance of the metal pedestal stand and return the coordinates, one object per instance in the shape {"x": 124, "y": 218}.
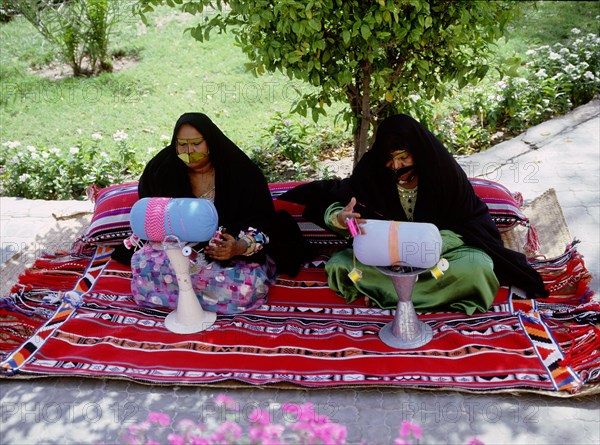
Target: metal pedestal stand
{"x": 406, "y": 331}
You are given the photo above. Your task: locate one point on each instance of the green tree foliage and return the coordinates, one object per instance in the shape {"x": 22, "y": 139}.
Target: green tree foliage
{"x": 373, "y": 55}
{"x": 79, "y": 29}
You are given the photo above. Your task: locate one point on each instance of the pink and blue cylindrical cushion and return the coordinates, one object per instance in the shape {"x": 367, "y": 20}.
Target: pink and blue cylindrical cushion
{"x": 188, "y": 219}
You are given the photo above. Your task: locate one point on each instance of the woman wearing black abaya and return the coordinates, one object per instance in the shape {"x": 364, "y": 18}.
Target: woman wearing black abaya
{"x": 201, "y": 162}
{"x": 408, "y": 175}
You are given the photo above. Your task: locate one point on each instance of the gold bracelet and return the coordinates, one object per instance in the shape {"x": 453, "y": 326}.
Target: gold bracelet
{"x": 334, "y": 221}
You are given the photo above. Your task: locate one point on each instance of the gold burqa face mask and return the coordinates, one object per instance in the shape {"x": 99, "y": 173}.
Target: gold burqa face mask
{"x": 190, "y": 158}
{"x": 194, "y": 156}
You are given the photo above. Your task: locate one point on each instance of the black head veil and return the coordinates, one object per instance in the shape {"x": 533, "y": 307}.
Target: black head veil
{"x": 242, "y": 195}
{"x": 445, "y": 196}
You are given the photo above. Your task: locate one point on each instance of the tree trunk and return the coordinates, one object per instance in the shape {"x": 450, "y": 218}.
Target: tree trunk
{"x": 361, "y": 139}
{"x": 362, "y": 106}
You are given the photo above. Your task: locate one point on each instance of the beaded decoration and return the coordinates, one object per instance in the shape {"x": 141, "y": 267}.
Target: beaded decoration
{"x": 209, "y": 194}
{"x": 408, "y": 199}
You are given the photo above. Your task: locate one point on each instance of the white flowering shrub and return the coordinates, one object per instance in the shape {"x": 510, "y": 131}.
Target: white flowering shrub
{"x": 523, "y": 102}
{"x": 554, "y": 80}
{"x": 559, "y": 78}
{"x": 573, "y": 68}
{"x": 65, "y": 173}
{"x": 461, "y": 134}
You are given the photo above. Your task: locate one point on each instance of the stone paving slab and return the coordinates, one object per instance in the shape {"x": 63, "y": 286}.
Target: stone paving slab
{"x": 31, "y": 228}
{"x": 564, "y": 154}
{"x": 25, "y": 221}
{"x": 87, "y": 411}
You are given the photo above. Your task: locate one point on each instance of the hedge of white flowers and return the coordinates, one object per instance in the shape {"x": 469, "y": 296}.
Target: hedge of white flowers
{"x": 65, "y": 173}
{"x": 554, "y": 80}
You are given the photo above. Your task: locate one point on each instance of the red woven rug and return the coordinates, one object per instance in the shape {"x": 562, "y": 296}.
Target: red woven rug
{"x": 70, "y": 317}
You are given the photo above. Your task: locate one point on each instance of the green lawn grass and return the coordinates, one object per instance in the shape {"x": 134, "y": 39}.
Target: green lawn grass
{"x": 550, "y": 22}
{"x": 174, "y": 74}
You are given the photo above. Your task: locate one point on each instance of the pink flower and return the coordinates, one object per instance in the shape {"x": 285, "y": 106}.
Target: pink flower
{"x": 399, "y": 441}
{"x": 274, "y": 429}
{"x": 222, "y": 399}
{"x": 131, "y": 440}
{"x": 225, "y": 401}
{"x": 229, "y": 429}
{"x": 161, "y": 418}
{"x": 272, "y": 434}
{"x": 200, "y": 441}
{"x": 307, "y": 435}
{"x": 408, "y": 428}
{"x": 255, "y": 433}
{"x": 330, "y": 433}
{"x": 338, "y": 432}
{"x": 269, "y": 434}
{"x": 217, "y": 438}
{"x": 306, "y": 412}
{"x": 289, "y": 407}
{"x": 176, "y": 439}
{"x": 291, "y": 412}
{"x": 475, "y": 441}
{"x": 186, "y": 423}
{"x": 260, "y": 416}
{"x": 272, "y": 441}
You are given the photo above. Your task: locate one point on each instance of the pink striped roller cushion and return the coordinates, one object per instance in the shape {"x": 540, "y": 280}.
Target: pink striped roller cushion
{"x": 504, "y": 206}
{"x": 110, "y": 221}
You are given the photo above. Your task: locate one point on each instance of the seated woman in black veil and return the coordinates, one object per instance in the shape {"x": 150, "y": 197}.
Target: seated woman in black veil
{"x": 408, "y": 175}
{"x": 201, "y": 162}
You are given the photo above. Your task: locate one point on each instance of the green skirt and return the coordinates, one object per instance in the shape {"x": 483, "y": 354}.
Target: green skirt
{"x": 468, "y": 285}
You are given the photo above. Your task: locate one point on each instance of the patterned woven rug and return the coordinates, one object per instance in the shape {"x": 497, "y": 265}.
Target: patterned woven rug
{"x": 70, "y": 317}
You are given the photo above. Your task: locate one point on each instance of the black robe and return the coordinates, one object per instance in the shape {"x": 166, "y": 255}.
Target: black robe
{"x": 445, "y": 197}
{"x": 242, "y": 196}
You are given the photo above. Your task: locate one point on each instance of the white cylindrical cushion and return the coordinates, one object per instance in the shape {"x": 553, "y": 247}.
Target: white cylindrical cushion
{"x": 389, "y": 243}
{"x": 189, "y": 219}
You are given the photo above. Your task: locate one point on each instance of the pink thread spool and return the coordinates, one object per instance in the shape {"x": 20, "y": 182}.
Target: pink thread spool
{"x": 352, "y": 227}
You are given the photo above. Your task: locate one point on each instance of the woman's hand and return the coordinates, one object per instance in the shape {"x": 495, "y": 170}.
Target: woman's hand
{"x": 226, "y": 248}
{"x": 348, "y": 212}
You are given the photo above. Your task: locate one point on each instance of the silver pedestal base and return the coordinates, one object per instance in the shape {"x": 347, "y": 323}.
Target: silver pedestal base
{"x": 405, "y": 331}
{"x": 406, "y": 335}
